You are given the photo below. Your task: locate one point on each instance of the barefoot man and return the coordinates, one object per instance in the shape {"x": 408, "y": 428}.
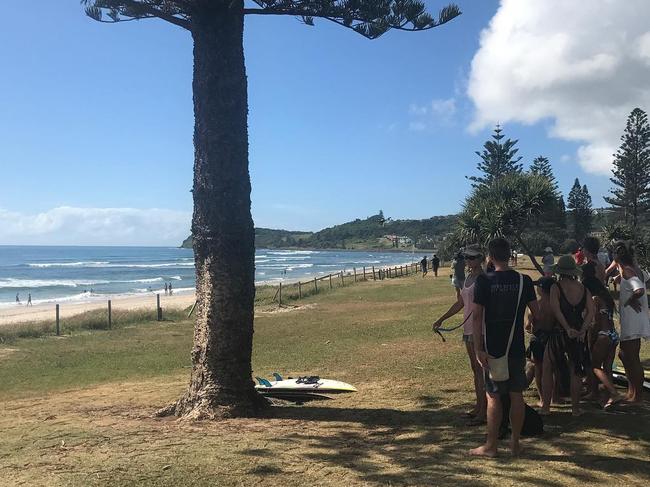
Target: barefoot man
{"x": 501, "y": 297}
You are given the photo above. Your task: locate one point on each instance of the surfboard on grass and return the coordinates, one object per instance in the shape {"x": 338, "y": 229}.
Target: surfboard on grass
{"x": 302, "y": 389}
{"x": 620, "y": 378}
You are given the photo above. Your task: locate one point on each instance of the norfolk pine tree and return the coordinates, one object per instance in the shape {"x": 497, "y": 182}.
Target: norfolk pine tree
{"x": 221, "y": 382}
{"x": 498, "y": 158}
{"x": 580, "y": 206}
{"x": 631, "y": 171}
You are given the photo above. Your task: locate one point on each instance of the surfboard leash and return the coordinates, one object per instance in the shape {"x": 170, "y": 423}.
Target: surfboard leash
{"x": 453, "y": 328}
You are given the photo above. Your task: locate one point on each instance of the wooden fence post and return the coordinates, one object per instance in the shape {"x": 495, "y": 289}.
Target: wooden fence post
{"x": 158, "y": 308}
{"x": 58, "y": 326}
{"x": 280, "y": 294}
{"x": 355, "y": 274}
{"x": 373, "y": 273}
{"x": 315, "y": 284}
{"x": 342, "y": 279}
{"x": 110, "y": 316}
{"x": 299, "y": 290}
{"x": 330, "y": 281}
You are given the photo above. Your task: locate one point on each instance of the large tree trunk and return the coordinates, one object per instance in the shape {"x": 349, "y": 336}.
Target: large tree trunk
{"x": 221, "y": 382}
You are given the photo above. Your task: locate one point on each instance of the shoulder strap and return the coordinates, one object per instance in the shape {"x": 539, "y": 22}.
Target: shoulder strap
{"x": 514, "y": 322}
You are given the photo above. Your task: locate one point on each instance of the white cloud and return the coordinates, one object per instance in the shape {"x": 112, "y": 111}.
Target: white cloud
{"x": 583, "y": 65}
{"x": 438, "y": 112}
{"x": 95, "y": 226}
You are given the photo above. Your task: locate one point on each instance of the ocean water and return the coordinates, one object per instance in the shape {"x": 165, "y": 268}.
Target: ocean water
{"x": 65, "y": 274}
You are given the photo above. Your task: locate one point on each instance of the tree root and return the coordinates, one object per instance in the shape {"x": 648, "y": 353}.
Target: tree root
{"x": 216, "y": 407}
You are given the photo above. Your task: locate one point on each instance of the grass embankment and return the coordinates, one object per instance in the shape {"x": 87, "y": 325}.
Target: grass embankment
{"x": 78, "y": 410}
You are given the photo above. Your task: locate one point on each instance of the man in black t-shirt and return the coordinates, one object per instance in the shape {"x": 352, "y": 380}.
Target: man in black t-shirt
{"x": 435, "y": 263}
{"x": 496, "y": 302}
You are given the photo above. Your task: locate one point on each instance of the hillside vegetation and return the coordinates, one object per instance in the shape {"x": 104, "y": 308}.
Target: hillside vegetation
{"x": 369, "y": 233}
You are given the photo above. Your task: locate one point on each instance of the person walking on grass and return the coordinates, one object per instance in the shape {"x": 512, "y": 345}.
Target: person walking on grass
{"x": 424, "y": 265}
{"x": 435, "y": 264}
{"x": 500, "y": 301}
{"x": 635, "y": 323}
{"x": 474, "y": 258}
{"x": 573, "y": 308}
{"x": 458, "y": 273}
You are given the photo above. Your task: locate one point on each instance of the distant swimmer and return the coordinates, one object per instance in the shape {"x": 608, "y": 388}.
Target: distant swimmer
{"x": 171, "y": 291}
{"x": 29, "y": 300}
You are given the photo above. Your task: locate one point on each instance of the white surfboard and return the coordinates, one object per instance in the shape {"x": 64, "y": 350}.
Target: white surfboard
{"x": 306, "y": 384}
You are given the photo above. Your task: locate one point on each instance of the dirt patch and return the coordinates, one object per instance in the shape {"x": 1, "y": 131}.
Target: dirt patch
{"x": 285, "y": 308}
{"x": 6, "y": 352}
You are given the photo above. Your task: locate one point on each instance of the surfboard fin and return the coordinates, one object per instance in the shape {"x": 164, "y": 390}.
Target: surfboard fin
{"x": 277, "y": 376}
{"x": 263, "y": 382}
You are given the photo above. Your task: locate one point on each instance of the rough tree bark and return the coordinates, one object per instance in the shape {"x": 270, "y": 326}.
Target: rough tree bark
{"x": 221, "y": 382}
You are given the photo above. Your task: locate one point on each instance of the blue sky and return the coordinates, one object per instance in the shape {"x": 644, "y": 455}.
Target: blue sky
{"x": 98, "y": 117}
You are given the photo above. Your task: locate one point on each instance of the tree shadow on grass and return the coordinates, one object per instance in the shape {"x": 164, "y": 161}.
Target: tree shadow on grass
{"x": 428, "y": 446}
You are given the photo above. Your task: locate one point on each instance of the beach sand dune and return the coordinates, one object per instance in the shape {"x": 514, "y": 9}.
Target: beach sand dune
{"x": 43, "y": 312}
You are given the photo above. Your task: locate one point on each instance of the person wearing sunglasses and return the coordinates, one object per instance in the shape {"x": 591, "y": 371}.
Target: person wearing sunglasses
{"x": 473, "y": 257}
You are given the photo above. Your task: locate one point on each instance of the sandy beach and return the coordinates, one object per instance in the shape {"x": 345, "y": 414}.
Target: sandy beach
{"x": 43, "y": 312}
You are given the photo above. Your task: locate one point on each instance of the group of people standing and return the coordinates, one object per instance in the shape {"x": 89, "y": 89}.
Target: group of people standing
{"x": 435, "y": 265}
{"x": 571, "y": 323}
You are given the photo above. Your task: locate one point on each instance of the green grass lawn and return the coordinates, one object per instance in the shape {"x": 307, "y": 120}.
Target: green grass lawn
{"x": 78, "y": 410}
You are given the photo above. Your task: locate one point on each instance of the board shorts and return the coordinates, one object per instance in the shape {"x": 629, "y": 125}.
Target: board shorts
{"x": 518, "y": 382}
{"x": 457, "y": 282}
{"x": 538, "y": 345}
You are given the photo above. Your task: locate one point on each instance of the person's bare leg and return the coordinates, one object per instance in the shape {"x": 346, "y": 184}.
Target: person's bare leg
{"x": 576, "y": 385}
{"x": 629, "y": 354}
{"x": 599, "y": 355}
{"x": 539, "y": 373}
{"x": 479, "y": 383}
{"x": 548, "y": 383}
{"x": 517, "y": 412}
{"x": 494, "y": 412}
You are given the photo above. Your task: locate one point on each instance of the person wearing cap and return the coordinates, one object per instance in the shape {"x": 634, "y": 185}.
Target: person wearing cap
{"x": 458, "y": 272}
{"x": 548, "y": 260}
{"x": 435, "y": 264}
{"x": 473, "y": 256}
{"x": 573, "y": 308}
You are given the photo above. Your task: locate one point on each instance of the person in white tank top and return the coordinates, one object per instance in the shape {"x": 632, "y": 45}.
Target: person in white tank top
{"x": 474, "y": 260}
{"x": 635, "y": 321}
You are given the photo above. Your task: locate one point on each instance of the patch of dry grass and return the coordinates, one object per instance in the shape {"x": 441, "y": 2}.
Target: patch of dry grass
{"x": 90, "y": 422}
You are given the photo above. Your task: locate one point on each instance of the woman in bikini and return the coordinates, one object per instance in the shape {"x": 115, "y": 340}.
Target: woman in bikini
{"x": 605, "y": 341}
{"x": 573, "y": 308}
{"x": 474, "y": 259}
{"x": 541, "y": 327}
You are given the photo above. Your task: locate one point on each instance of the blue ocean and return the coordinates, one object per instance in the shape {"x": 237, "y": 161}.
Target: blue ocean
{"x": 74, "y": 274}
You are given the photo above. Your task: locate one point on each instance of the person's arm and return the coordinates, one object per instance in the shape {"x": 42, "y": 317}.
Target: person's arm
{"x": 557, "y": 311}
{"x": 453, "y": 309}
{"x": 590, "y": 313}
{"x": 610, "y": 270}
{"x": 638, "y": 289}
{"x": 478, "y": 312}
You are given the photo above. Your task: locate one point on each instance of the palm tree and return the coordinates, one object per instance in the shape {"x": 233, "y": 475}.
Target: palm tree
{"x": 505, "y": 209}
{"x": 222, "y": 226}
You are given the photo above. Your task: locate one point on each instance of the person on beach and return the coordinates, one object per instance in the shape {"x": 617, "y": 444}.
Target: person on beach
{"x": 548, "y": 260}
{"x": 635, "y": 323}
{"x": 541, "y": 327}
{"x": 435, "y": 264}
{"x": 166, "y": 290}
{"x": 424, "y": 266}
{"x": 17, "y": 298}
{"x": 500, "y": 301}
{"x": 605, "y": 339}
{"x": 474, "y": 258}
{"x": 29, "y": 300}
{"x": 573, "y": 308}
{"x": 458, "y": 273}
